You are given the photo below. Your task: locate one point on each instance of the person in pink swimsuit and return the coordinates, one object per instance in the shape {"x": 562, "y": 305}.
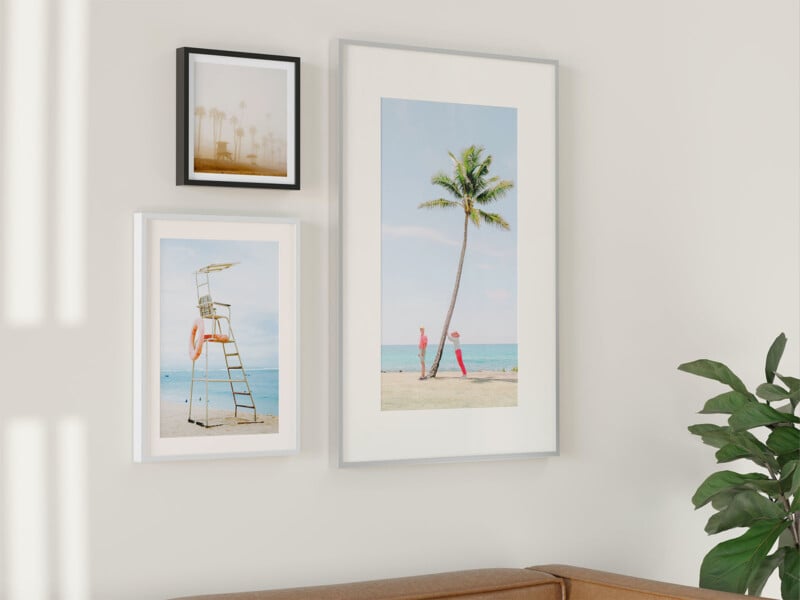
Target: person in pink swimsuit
{"x": 456, "y": 339}
{"x": 423, "y": 346}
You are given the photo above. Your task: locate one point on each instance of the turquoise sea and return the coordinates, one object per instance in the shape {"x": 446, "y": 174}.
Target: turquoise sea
{"x": 263, "y": 384}
{"x": 477, "y": 357}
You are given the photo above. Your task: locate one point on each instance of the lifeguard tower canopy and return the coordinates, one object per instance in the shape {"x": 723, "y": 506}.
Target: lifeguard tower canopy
{"x": 214, "y": 267}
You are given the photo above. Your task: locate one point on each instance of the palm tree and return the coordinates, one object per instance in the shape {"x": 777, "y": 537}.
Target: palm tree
{"x": 253, "y": 131}
{"x": 264, "y": 140}
{"x": 199, "y": 114}
{"x": 219, "y": 117}
{"x": 472, "y": 188}
{"x": 239, "y": 136}
{"x": 234, "y": 123}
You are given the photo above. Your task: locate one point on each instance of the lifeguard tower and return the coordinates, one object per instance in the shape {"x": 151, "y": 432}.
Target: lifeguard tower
{"x": 221, "y": 336}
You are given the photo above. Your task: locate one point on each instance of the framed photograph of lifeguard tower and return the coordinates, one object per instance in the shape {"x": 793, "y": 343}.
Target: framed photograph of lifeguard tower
{"x": 216, "y": 324}
{"x": 238, "y": 119}
{"x": 448, "y": 330}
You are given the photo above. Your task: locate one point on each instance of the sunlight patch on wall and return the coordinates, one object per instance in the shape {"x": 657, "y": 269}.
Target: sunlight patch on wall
{"x": 26, "y": 510}
{"x": 70, "y": 255}
{"x": 73, "y": 549}
{"x": 26, "y": 168}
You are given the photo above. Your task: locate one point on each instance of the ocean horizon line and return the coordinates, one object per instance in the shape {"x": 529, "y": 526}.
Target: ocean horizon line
{"x": 189, "y": 370}
{"x": 435, "y": 344}
{"x": 476, "y": 357}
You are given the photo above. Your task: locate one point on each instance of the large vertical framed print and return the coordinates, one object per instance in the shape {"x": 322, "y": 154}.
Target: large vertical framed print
{"x": 216, "y": 367}
{"x": 448, "y": 276}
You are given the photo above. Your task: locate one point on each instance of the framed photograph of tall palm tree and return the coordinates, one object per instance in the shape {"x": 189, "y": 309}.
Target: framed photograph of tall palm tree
{"x": 448, "y": 323}
{"x": 238, "y": 119}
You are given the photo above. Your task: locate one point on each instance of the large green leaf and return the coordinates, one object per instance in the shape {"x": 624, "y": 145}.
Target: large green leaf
{"x": 774, "y": 357}
{"x": 731, "y": 452}
{"x": 772, "y": 392}
{"x": 714, "y": 370}
{"x": 794, "y": 385}
{"x": 790, "y": 574}
{"x": 721, "y": 500}
{"x": 716, "y": 436}
{"x": 755, "y": 414}
{"x": 722, "y": 481}
{"x": 761, "y": 573}
{"x": 790, "y": 477}
{"x": 720, "y": 436}
{"x": 745, "y": 509}
{"x": 725, "y": 403}
{"x": 784, "y": 440}
{"x": 729, "y": 565}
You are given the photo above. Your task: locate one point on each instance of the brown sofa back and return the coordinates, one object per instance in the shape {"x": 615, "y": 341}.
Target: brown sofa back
{"x": 548, "y": 582}
{"x": 588, "y": 584}
{"x": 481, "y": 584}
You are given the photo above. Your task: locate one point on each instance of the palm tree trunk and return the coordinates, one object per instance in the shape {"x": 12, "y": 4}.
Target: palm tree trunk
{"x": 435, "y": 366}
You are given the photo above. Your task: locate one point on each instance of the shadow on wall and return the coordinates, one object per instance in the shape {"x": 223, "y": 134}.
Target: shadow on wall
{"x": 43, "y": 459}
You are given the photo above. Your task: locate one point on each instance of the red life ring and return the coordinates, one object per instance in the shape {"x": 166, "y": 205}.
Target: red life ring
{"x": 196, "y": 339}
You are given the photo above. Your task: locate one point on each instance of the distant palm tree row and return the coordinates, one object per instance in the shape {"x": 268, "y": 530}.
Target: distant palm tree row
{"x": 269, "y": 150}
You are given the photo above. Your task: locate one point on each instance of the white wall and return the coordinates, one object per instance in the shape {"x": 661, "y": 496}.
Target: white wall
{"x": 679, "y": 239}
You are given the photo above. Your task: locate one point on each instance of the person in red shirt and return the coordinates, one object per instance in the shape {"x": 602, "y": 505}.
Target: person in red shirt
{"x": 423, "y": 346}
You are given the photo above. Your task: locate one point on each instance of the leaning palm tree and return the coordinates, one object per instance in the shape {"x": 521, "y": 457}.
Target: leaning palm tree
{"x": 472, "y": 189}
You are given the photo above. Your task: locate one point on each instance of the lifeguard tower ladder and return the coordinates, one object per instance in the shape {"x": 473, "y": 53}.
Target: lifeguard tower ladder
{"x": 237, "y": 376}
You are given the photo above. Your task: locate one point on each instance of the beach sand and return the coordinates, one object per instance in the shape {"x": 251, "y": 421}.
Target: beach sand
{"x": 481, "y": 389}
{"x": 174, "y": 421}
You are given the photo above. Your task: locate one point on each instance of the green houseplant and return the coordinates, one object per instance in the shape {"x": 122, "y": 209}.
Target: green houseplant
{"x": 762, "y": 428}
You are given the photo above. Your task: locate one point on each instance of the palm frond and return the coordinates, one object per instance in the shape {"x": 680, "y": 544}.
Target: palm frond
{"x": 462, "y": 179}
{"x": 443, "y": 180}
{"x": 475, "y": 218}
{"x": 480, "y": 169}
{"x": 495, "y": 192}
{"x": 440, "y": 203}
{"x": 484, "y": 183}
{"x": 492, "y": 219}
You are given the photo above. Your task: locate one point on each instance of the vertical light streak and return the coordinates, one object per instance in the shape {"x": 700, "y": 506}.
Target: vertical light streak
{"x": 26, "y": 168}
{"x": 73, "y": 547}
{"x": 70, "y": 209}
{"x": 26, "y": 510}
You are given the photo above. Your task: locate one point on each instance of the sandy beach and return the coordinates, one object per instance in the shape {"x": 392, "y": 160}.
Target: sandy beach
{"x": 174, "y": 421}
{"x": 481, "y": 389}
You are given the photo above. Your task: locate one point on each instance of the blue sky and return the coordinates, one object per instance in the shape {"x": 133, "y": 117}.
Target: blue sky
{"x": 250, "y": 287}
{"x": 420, "y": 247}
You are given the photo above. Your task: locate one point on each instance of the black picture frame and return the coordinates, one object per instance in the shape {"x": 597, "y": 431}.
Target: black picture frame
{"x": 252, "y": 119}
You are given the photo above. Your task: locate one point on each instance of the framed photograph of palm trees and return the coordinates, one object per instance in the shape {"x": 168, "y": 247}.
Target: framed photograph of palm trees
{"x": 448, "y": 324}
{"x": 238, "y": 119}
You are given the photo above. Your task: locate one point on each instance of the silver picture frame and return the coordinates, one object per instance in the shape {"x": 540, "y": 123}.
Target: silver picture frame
{"x": 365, "y": 434}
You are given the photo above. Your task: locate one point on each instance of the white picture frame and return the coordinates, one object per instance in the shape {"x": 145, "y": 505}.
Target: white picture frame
{"x": 368, "y": 74}
{"x": 254, "y": 283}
